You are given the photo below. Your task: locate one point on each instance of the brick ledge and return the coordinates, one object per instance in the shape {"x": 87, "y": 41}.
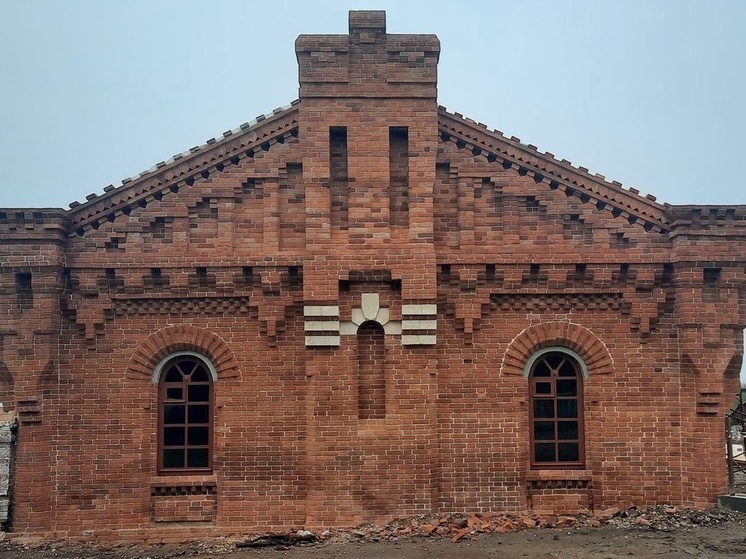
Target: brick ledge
{"x": 184, "y": 480}
{"x": 559, "y": 475}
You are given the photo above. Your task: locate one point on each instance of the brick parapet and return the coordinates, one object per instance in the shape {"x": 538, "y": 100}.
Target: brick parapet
{"x": 32, "y": 223}
{"x": 368, "y": 62}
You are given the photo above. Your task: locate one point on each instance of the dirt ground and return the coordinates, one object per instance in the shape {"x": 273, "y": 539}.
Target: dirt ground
{"x": 723, "y": 537}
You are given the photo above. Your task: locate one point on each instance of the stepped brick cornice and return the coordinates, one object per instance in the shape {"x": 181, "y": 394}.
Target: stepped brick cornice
{"x": 715, "y": 220}
{"x": 33, "y": 223}
{"x": 183, "y": 169}
{"x": 543, "y": 167}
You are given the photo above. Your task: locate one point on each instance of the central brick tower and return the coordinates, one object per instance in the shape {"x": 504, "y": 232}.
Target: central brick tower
{"x": 369, "y": 131}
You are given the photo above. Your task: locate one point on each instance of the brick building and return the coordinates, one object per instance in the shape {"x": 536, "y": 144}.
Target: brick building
{"x": 363, "y": 306}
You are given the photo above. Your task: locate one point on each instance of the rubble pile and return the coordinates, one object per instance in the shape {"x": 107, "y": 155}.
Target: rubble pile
{"x": 457, "y": 527}
{"x": 668, "y": 518}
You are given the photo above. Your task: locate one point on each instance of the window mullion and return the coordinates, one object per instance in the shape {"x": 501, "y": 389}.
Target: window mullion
{"x": 572, "y": 448}
{"x": 176, "y": 453}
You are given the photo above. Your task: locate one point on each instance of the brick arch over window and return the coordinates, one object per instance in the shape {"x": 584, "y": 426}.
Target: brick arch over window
{"x": 173, "y": 339}
{"x": 557, "y": 334}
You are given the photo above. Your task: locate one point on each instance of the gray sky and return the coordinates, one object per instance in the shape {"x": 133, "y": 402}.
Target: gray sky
{"x": 650, "y": 93}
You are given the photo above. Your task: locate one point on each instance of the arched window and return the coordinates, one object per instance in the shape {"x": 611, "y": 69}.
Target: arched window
{"x": 185, "y": 393}
{"x": 556, "y": 385}
{"x": 371, "y": 371}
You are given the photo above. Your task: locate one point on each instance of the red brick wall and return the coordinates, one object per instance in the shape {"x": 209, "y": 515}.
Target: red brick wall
{"x": 371, "y": 371}
{"x": 254, "y": 233}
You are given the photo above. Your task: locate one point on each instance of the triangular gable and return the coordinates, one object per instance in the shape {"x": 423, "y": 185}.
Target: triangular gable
{"x": 183, "y": 169}
{"x": 544, "y": 168}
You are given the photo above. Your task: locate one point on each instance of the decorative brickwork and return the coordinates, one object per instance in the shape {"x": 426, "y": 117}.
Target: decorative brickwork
{"x": 182, "y": 338}
{"x": 560, "y": 334}
{"x": 377, "y": 283}
{"x": 184, "y": 503}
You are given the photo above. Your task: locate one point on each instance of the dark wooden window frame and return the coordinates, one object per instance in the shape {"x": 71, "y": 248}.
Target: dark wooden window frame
{"x": 545, "y": 393}
{"x": 196, "y": 425}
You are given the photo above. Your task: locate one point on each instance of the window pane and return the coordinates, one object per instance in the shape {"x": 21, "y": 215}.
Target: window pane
{"x": 197, "y": 458}
{"x": 544, "y": 452}
{"x": 554, "y": 359}
{"x": 567, "y": 370}
{"x": 173, "y": 458}
{"x": 186, "y": 415}
{"x": 199, "y": 414}
{"x": 199, "y": 436}
{"x": 173, "y": 413}
{"x": 199, "y": 393}
{"x": 544, "y": 430}
{"x": 569, "y": 452}
{"x": 567, "y": 387}
{"x": 556, "y": 402}
{"x": 567, "y": 430}
{"x": 173, "y": 375}
{"x": 567, "y": 408}
{"x": 543, "y": 388}
{"x": 543, "y": 408}
{"x": 173, "y": 436}
{"x": 200, "y": 375}
{"x": 188, "y": 366}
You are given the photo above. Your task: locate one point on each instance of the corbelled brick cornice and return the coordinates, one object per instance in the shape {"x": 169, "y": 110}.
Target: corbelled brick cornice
{"x": 543, "y": 167}
{"x": 168, "y": 177}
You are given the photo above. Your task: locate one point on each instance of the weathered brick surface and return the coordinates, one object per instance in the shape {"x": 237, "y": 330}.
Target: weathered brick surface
{"x": 8, "y": 424}
{"x": 265, "y": 250}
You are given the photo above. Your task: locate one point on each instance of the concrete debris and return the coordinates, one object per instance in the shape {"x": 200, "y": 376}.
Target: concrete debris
{"x": 461, "y": 527}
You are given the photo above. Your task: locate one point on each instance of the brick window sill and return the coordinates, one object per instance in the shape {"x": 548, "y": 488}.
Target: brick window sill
{"x": 559, "y": 475}
{"x": 209, "y": 480}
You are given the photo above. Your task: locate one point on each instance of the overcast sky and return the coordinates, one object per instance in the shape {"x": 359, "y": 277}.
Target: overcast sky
{"x": 650, "y": 93}
{"x": 647, "y": 92}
